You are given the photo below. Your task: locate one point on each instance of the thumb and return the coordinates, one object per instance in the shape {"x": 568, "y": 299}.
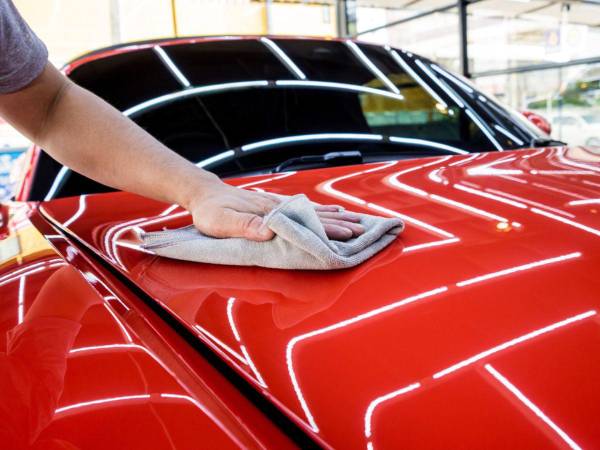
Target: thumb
{"x": 245, "y": 225}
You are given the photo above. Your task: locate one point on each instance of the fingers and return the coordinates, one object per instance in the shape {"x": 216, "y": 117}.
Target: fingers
{"x": 337, "y": 232}
{"x": 328, "y": 208}
{"x": 356, "y": 229}
{"x": 345, "y": 216}
{"x": 231, "y": 223}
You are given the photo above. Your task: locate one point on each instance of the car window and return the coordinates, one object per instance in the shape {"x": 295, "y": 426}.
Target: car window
{"x": 213, "y": 101}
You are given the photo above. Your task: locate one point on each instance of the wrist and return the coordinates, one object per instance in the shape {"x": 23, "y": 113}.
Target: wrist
{"x": 203, "y": 184}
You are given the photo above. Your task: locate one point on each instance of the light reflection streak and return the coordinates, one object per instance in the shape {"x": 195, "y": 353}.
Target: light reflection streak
{"x": 136, "y": 247}
{"x": 489, "y": 169}
{"x": 508, "y": 177}
{"x": 512, "y": 343}
{"x": 169, "y": 210}
{"x": 372, "y": 67}
{"x": 379, "y": 400}
{"x": 591, "y": 183}
{"x": 412, "y": 220}
{"x": 216, "y": 158}
{"x": 479, "y": 192}
{"x": 464, "y": 161}
{"x": 266, "y": 180}
{"x": 566, "y": 221}
{"x": 569, "y": 162}
{"x": 102, "y": 348}
{"x": 393, "y": 181}
{"x": 236, "y": 334}
{"x": 111, "y": 298}
{"x": 207, "y": 412}
{"x": 434, "y": 176}
{"x": 429, "y": 245}
{"x": 312, "y": 137}
{"x": 536, "y": 153}
{"x": 79, "y": 211}
{"x": 531, "y": 406}
{"x": 561, "y": 172}
{"x": 234, "y": 329}
{"x": 102, "y": 401}
{"x": 443, "y": 86}
{"x": 56, "y": 183}
{"x": 509, "y": 135}
{"x": 257, "y": 374}
{"x": 30, "y": 272}
{"x": 191, "y": 92}
{"x": 468, "y": 208}
{"x": 328, "y": 188}
{"x": 221, "y": 344}
{"x": 468, "y": 362}
{"x": 171, "y": 66}
{"x": 283, "y": 57}
{"x": 345, "y": 323}
{"x": 588, "y": 201}
{"x": 21, "y": 306}
{"x": 339, "y": 86}
{"x": 560, "y": 191}
{"x": 483, "y": 127}
{"x": 126, "y": 334}
{"x": 400, "y": 61}
{"x": 375, "y": 312}
{"x": 113, "y": 401}
{"x": 425, "y": 143}
{"x": 530, "y": 202}
{"x": 451, "y": 77}
{"x": 521, "y": 268}
{"x": 28, "y": 267}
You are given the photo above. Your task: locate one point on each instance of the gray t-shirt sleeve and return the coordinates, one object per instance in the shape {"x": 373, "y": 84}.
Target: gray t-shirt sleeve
{"x": 23, "y": 55}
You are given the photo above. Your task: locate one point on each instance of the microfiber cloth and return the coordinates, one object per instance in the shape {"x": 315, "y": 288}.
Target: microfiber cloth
{"x": 300, "y": 241}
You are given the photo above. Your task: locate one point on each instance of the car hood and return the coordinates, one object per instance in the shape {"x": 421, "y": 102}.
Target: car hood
{"x": 476, "y": 328}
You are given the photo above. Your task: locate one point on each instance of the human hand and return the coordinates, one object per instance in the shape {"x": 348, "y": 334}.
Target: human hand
{"x": 226, "y": 211}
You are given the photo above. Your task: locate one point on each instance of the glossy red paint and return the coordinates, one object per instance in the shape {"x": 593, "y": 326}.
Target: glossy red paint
{"x": 477, "y": 328}
{"x": 84, "y": 365}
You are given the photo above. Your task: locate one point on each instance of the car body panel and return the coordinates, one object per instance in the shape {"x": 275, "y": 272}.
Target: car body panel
{"x": 78, "y": 350}
{"x": 477, "y": 327}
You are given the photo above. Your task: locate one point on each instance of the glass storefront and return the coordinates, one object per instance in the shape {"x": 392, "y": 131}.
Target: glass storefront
{"x": 569, "y": 98}
{"x": 534, "y": 55}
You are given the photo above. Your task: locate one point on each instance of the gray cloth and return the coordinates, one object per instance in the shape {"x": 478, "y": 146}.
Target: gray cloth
{"x": 300, "y": 242}
{"x": 22, "y": 55}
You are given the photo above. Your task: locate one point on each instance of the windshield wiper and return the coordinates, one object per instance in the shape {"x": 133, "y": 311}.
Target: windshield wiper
{"x": 328, "y": 159}
{"x": 545, "y": 142}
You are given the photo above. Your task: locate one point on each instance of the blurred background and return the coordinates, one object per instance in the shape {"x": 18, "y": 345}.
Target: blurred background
{"x": 534, "y": 55}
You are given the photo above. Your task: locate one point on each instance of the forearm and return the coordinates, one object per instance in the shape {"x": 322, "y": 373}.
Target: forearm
{"x": 89, "y": 136}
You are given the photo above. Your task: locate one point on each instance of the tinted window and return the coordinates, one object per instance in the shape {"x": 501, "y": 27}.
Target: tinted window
{"x": 222, "y": 62}
{"x": 127, "y": 79}
{"x": 396, "y": 99}
{"x": 326, "y": 61}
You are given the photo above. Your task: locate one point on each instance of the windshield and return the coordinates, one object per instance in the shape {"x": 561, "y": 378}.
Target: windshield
{"x": 245, "y": 106}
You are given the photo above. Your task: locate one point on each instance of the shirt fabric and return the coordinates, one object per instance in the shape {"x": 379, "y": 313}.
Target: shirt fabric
{"x": 23, "y": 55}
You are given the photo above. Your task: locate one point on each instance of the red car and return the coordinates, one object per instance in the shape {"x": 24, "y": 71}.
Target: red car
{"x": 477, "y": 328}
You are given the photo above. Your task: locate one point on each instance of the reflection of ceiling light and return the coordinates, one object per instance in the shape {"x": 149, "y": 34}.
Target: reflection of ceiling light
{"x": 441, "y": 108}
{"x": 503, "y": 226}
